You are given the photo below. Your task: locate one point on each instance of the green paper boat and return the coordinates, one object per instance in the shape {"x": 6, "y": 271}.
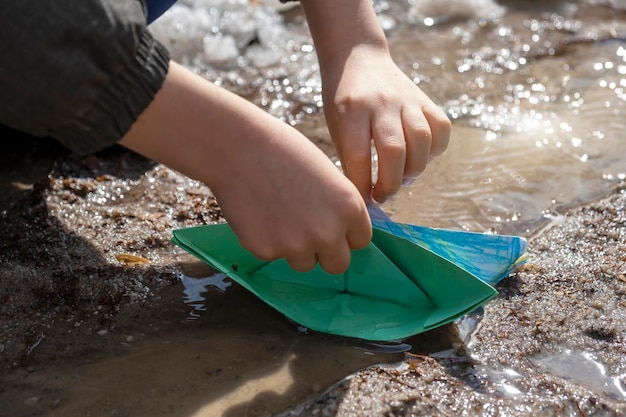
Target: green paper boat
{"x": 393, "y": 289}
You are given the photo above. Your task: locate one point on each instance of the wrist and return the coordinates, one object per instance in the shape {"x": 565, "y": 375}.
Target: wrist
{"x": 340, "y": 27}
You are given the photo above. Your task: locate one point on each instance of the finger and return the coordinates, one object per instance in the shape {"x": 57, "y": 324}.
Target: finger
{"x": 353, "y": 139}
{"x": 391, "y": 147}
{"x": 335, "y": 259}
{"x": 359, "y": 233}
{"x": 303, "y": 262}
{"x": 417, "y": 133}
{"x": 440, "y": 127}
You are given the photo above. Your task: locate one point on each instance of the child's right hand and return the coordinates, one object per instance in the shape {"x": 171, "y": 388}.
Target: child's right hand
{"x": 281, "y": 194}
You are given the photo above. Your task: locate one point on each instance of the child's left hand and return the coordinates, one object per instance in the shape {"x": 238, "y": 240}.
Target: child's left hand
{"x": 367, "y": 97}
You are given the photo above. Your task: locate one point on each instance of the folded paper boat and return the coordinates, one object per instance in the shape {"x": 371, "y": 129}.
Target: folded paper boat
{"x": 409, "y": 279}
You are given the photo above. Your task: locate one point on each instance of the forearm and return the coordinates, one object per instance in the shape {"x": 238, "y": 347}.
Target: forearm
{"x": 338, "y": 27}
{"x": 189, "y": 125}
{"x": 211, "y": 134}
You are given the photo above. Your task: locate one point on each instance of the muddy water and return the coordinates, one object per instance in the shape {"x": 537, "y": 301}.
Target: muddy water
{"x": 536, "y": 93}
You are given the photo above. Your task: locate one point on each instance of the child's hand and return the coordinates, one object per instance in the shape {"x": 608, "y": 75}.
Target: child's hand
{"x": 283, "y": 197}
{"x": 367, "y": 97}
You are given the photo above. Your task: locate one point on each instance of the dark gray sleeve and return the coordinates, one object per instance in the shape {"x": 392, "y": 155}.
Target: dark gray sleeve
{"x": 80, "y": 71}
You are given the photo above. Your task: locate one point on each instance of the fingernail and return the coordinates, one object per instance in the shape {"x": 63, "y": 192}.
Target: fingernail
{"x": 408, "y": 181}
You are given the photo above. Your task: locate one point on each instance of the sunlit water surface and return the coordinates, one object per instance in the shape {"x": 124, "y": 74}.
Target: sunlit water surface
{"x": 536, "y": 91}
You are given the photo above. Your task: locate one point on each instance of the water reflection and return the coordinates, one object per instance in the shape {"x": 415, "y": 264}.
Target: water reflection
{"x": 583, "y": 368}
{"x": 194, "y": 289}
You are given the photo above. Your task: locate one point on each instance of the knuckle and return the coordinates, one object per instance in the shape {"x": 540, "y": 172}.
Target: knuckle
{"x": 415, "y": 171}
{"x": 357, "y": 157}
{"x": 325, "y": 236}
{"x": 263, "y": 253}
{"x": 302, "y": 248}
{"x": 443, "y": 138}
{"x": 393, "y": 146}
{"x": 388, "y": 188}
{"x": 346, "y": 103}
{"x": 444, "y": 122}
{"x": 423, "y": 133}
